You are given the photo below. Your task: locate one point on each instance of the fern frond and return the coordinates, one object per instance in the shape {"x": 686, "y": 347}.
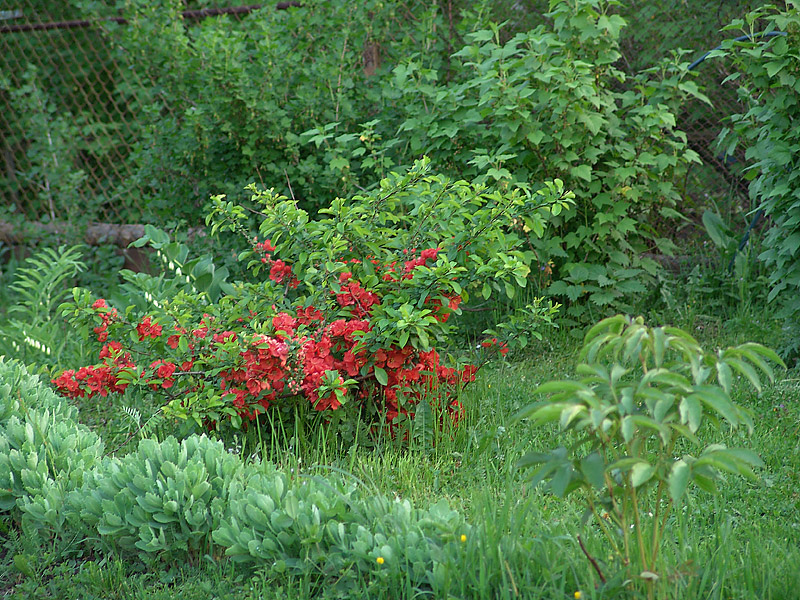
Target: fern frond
{"x": 133, "y": 414}
{"x": 41, "y": 282}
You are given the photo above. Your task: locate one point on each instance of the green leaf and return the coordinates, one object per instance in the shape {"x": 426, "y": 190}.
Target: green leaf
{"x": 718, "y": 401}
{"x": 381, "y": 376}
{"x": 593, "y": 467}
{"x": 22, "y": 565}
{"x": 627, "y": 428}
{"x": 561, "y": 479}
{"x": 724, "y": 375}
{"x": 532, "y": 458}
{"x": 743, "y": 368}
{"x": 545, "y": 414}
{"x": 704, "y": 482}
{"x": 649, "y": 423}
{"x": 582, "y": 172}
{"x": 641, "y": 473}
{"x": 565, "y": 386}
{"x": 717, "y": 230}
{"x": 678, "y": 479}
{"x": 691, "y": 412}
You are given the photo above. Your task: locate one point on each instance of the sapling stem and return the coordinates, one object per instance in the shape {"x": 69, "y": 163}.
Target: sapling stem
{"x": 604, "y": 529}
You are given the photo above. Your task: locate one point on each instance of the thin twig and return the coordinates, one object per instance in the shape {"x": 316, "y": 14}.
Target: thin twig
{"x": 289, "y": 183}
{"x": 591, "y": 560}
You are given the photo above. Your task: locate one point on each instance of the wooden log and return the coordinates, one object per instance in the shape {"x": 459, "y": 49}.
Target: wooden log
{"x": 92, "y": 234}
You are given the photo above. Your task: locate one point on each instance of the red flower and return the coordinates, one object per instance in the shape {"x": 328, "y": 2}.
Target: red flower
{"x": 283, "y": 322}
{"x": 173, "y": 341}
{"x": 102, "y": 334}
{"x": 148, "y": 329}
{"x": 308, "y": 315}
{"x": 163, "y": 370}
{"x": 429, "y": 254}
{"x": 279, "y": 271}
{"x": 225, "y": 336}
{"x": 67, "y": 385}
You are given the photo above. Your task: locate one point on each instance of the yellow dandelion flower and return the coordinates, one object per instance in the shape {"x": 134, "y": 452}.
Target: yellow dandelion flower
{"x": 463, "y": 538}
{"x": 577, "y": 595}
{"x": 379, "y": 560}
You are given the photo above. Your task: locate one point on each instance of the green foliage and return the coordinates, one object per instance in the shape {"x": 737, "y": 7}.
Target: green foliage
{"x": 768, "y": 75}
{"x": 163, "y": 499}
{"x": 337, "y": 530}
{"x": 410, "y": 210}
{"x": 659, "y": 29}
{"x": 715, "y": 280}
{"x": 198, "y": 275}
{"x": 643, "y": 397}
{"x": 52, "y": 151}
{"x": 32, "y": 332}
{"x": 552, "y": 104}
{"x": 44, "y": 452}
{"x": 255, "y": 83}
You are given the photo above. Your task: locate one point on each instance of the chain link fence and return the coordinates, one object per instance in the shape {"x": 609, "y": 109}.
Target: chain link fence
{"x": 70, "y": 98}
{"x": 659, "y": 29}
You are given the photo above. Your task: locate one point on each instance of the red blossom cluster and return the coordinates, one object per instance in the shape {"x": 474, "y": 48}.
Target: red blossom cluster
{"x": 107, "y": 315}
{"x": 97, "y": 379}
{"x": 420, "y": 261}
{"x": 414, "y": 374}
{"x": 355, "y": 296}
{"x": 162, "y": 369}
{"x": 502, "y": 347}
{"x": 442, "y": 315}
{"x": 279, "y": 271}
{"x": 148, "y": 329}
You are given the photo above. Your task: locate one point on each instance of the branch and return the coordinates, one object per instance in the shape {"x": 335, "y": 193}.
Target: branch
{"x": 591, "y": 560}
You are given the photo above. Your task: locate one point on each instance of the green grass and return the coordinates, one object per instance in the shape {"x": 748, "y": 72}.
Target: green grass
{"x": 742, "y": 543}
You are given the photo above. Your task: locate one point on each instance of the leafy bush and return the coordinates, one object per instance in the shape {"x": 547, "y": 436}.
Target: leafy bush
{"x": 356, "y": 311}
{"x": 768, "y": 71}
{"x": 643, "y": 397}
{"x": 255, "y": 82}
{"x": 551, "y": 103}
{"x": 164, "y": 499}
{"x": 334, "y": 529}
{"x": 281, "y": 522}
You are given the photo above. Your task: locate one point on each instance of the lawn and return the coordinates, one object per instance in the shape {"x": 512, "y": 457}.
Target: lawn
{"x": 741, "y": 543}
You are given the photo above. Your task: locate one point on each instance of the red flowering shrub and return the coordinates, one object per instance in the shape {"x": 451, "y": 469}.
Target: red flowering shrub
{"x": 356, "y": 309}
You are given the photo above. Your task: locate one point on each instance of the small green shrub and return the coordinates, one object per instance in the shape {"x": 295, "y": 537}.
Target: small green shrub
{"x": 277, "y": 521}
{"x": 331, "y": 528}
{"x": 636, "y": 413}
{"x": 44, "y": 451}
{"x": 164, "y": 499}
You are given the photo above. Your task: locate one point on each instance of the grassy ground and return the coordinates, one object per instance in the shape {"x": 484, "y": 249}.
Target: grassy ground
{"x": 742, "y": 543}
